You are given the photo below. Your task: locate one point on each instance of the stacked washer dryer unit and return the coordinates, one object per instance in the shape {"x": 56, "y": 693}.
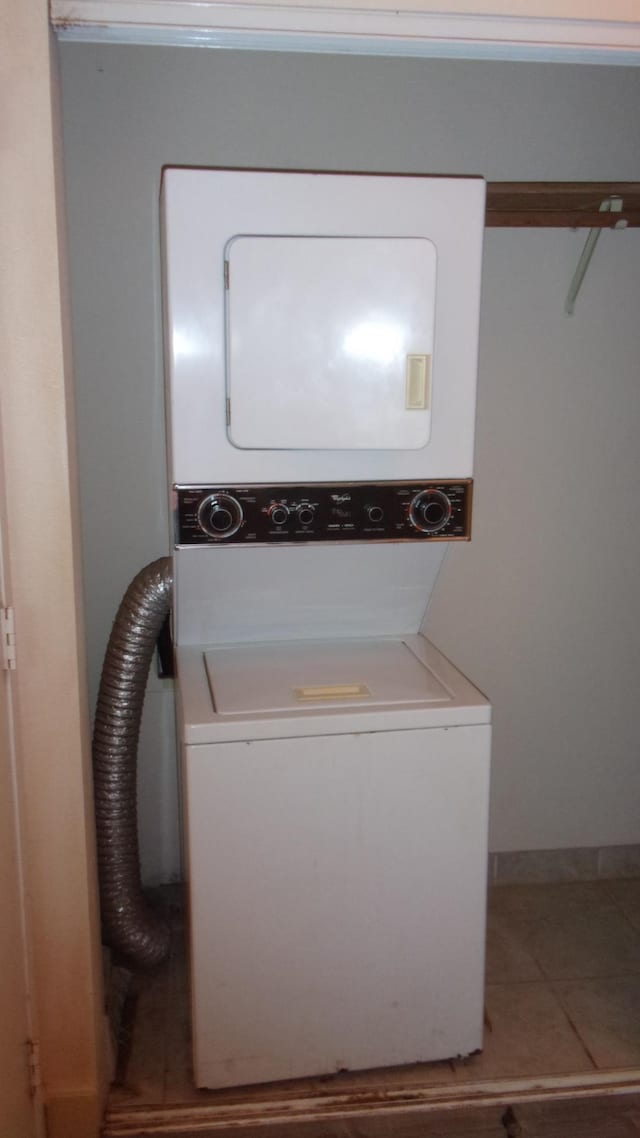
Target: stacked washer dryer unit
{"x": 321, "y": 357}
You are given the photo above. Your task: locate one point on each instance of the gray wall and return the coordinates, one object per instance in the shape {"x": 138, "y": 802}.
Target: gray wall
{"x": 541, "y": 609}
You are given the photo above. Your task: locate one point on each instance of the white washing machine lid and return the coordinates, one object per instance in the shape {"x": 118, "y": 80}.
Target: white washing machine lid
{"x": 310, "y": 676}
{"x": 412, "y": 686}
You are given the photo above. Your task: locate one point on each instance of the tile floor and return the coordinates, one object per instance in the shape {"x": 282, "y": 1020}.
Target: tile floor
{"x": 562, "y": 999}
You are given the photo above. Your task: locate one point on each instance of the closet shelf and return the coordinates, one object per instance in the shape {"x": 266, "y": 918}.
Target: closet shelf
{"x": 567, "y": 205}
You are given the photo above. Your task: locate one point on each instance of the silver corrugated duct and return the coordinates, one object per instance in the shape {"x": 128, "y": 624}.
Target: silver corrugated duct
{"x": 129, "y": 924}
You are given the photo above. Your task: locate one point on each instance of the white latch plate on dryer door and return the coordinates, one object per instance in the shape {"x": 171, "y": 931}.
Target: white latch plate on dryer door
{"x": 322, "y": 334}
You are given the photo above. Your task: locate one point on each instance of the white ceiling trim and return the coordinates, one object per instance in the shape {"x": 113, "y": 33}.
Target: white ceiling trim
{"x": 337, "y": 28}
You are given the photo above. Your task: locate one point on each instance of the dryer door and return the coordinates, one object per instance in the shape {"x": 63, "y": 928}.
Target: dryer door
{"x": 329, "y": 342}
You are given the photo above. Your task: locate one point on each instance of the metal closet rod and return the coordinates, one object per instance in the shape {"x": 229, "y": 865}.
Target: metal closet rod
{"x": 613, "y": 205}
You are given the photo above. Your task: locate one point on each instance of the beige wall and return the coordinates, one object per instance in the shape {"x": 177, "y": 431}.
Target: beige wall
{"x": 50, "y": 685}
{"x": 541, "y": 608}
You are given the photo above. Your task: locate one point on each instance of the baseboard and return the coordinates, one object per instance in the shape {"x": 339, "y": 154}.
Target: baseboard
{"x": 74, "y": 1115}
{"x": 593, "y": 863}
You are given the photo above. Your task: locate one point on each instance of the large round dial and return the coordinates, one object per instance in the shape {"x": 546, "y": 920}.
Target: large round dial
{"x": 430, "y": 511}
{"x": 220, "y": 515}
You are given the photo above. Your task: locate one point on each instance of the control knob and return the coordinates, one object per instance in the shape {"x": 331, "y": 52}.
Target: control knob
{"x": 430, "y": 511}
{"x": 306, "y": 513}
{"x": 279, "y": 513}
{"x": 220, "y": 515}
{"x": 375, "y": 514}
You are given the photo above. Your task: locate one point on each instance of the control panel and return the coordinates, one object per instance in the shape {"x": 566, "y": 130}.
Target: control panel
{"x": 348, "y": 511}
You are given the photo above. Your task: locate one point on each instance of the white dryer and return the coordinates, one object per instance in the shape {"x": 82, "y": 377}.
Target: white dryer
{"x": 321, "y": 362}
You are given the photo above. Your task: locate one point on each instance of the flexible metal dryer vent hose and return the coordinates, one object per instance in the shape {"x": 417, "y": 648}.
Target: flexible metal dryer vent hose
{"x": 129, "y": 924}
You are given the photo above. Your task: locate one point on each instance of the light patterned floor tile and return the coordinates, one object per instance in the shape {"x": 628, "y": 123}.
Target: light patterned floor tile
{"x": 626, "y": 894}
{"x": 557, "y": 955}
{"x": 508, "y": 958}
{"x": 526, "y": 1033}
{"x": 606, "y": 1013}
{"x": 586, "y": 945}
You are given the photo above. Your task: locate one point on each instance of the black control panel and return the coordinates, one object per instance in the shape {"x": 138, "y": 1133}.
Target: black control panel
{"x": 348, "y": 511}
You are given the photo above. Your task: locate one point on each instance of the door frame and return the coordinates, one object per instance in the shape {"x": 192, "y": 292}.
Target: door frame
{"x": 43, "y": 565}
{"x": 21, "y": 1091}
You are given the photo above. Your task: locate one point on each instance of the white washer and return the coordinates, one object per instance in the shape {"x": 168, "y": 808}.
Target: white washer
{"x": 336, "y": 803}
{"x": 321, "y": 339}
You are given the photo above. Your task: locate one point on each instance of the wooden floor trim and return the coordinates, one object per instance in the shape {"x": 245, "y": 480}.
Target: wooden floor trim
{"x": 423, "y": 1102}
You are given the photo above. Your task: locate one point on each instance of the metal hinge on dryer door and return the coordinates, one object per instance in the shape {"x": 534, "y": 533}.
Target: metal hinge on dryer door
{"x": 8, "y": 635}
